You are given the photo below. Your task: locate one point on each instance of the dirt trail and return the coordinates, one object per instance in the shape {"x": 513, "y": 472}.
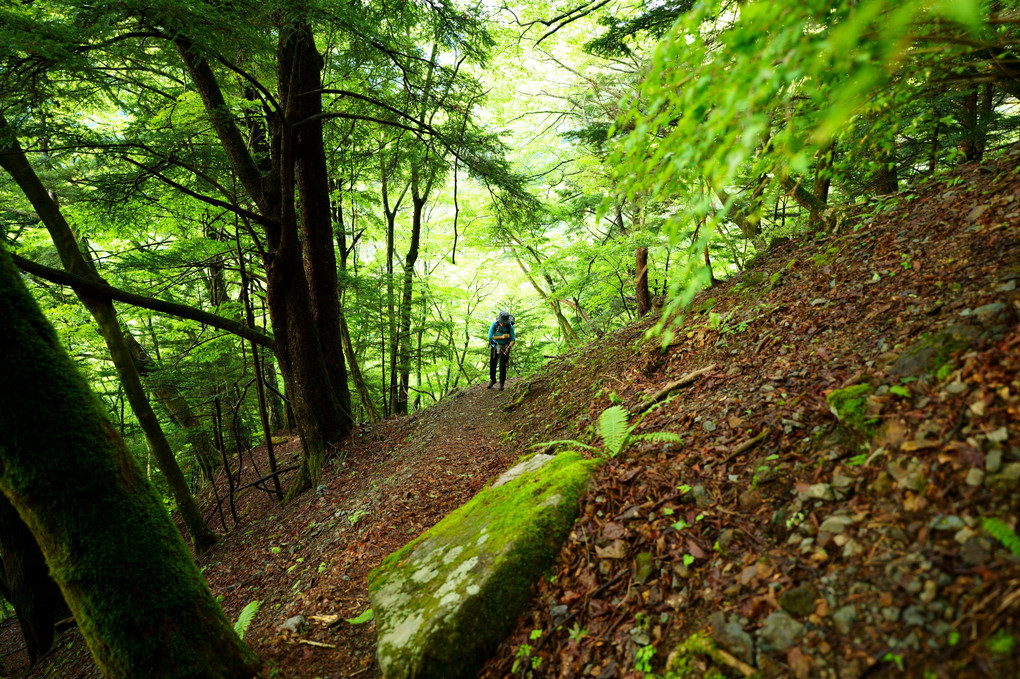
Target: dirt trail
{"x": 386, "y": 485}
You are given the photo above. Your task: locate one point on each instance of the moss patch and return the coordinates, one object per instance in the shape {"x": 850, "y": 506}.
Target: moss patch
{"x": 445, "y": 601}
{"x": 850, "y": 407}
{"x": 928, "y": 354}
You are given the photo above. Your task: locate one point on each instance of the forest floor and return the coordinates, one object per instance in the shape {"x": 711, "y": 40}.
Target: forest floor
{"x": 787, "y": 541}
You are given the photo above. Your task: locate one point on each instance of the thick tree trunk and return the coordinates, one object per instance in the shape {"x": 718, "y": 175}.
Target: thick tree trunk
{"x": 12, "y": 159}
{"x": 299, "y": 58}
{"x": 36, "y": 598}
{"x": 641, "y": 292}
{"x": 140, "y": 602}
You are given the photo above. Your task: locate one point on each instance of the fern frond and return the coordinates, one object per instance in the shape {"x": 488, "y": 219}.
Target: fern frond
{"x": 660, "y": 437}
{"x": 1001, "y": 531}
{"x": 614, "y": 429}
{"x": 244, "y": 620}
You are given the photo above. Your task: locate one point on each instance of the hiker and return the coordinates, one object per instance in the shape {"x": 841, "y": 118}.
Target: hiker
{"x": 501, "y": 338}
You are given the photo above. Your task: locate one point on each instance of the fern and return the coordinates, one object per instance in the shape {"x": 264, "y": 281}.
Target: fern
{"x": 1001, "y": 531}
{"x": 244, "y": 620}
{"x": 614, "y": 429}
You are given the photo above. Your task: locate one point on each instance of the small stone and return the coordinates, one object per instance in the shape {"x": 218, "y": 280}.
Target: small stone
{"x": 701, "y": 496}
{"x": 993, "y": 460}
{"x": 913, "y": 616}
{"x": 891, "y": 613}
{"x": 974, "y": 552}
{"x": 294, "y": 625}
{"x": 818, "y": 301}
{"x": 750, "y": 499}
{"x": 726, "y": 538}
{"x": 929, "y": 591}
{"x": 799, "y": 601}
{"x": 852, "y": 549}
{"x": 640, "y": 636}
{"x": 844, "y": 618}
{"x": 1009, "y": 476}
{"x": 819, "y": 491}
{"x": 733, "y": 637}
{"x": 999, "y": 435}
{"x": 840, "y": 482}
{"x": 975, "y": 477}
{"x": 559, "y": 613}
{"x": 947, "y": 522}
{"x": 956, "y": 388}
{"x": 835, "y": 525}
{"x": 644, "y": 567}
{"x": 780, "y": 631}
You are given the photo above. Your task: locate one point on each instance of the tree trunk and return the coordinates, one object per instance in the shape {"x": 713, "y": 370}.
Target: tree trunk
{"x": 36, "y": 598}
{"x": 140, "y": 602}
{"x": 642, "y": 294}
{"x": 355, "y": 370}
{"x": 12, "y": 159}
{"x": 177, "y": 407}
{"x": 418, "y": 207}
{"x": 299, "y": 58}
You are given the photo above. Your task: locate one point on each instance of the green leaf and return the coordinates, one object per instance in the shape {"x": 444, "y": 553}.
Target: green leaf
{"x": 244, "y": 620}
{"x": 899, "y": 391}
{"x": 613, "y": 427}
{"x": 363, "y": 618}
{"x": 660, "y": 437}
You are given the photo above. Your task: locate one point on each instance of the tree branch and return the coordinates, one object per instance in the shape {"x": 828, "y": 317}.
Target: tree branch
{"x": 103, "y": 289}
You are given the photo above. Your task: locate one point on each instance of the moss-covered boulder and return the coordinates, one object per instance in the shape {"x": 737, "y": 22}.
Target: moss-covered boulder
{"x": 929, "y": 353}
{"x": 444, "y": 602}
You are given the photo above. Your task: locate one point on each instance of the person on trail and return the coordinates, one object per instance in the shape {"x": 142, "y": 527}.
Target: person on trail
{"x": 501, "y": 338}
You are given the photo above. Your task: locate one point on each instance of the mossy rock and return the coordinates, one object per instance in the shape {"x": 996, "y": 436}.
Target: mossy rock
{"x": 850, "y": 406}
{"x": 750, "y": 281}
{"x": 928, "y": 354}
{"x": 445, "y": 601}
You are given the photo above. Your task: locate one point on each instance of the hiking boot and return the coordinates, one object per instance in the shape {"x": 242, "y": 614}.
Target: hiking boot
{"x": 501, "y": 386}
{"x": 491, "y": 382}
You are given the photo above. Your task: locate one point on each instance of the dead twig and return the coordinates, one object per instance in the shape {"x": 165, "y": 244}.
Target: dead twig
{"x": 670, "y": 387}
{"x": 746, "y": 446}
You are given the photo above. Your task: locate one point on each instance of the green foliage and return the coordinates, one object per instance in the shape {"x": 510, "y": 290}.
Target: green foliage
{"x": 614, "y": 430}
{"x": 1001, "y": 531}
{"x": 362, "y": 618}
{"x": 245, "y": 618}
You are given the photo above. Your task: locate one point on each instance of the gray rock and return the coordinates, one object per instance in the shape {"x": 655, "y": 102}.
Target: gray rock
{"x": 799, "y": 601}
{"x": 947, "y": 522}
{"x": 993, "y": 460}
{"x": 819, "y": 491}
{"x": 533, "y": 463}
{"x": 559, "y": 613}
{"x": 926, "y": 354}
{"x": 477, "y": 564}
{"x": 891, "y": 613}
{"x": 1008, "y": 477}
{"x": 975, "y": 477}
{"x": 913, "y": 616}
{"x": 733, "y": 638}
{"x": 295, "y": 624}
{"x": 701, "y": 496}
{"x": 835, "y": 525}
{"x": 975, "y": 552}
{"x": 780, "y": 631}
{"x": 844, "y": 618}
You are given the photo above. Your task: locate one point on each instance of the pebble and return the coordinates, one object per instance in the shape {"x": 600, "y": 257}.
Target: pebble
{"x": 975, "y": 477}
{"x": 844, "y": 618}
{"x": 294, "y": 624}
{"x": 852, "y": 549}
{"x": 819, "y": 491}
{"x": 913, "y": 616}
{"x": 891, "y": 613}
{"x": 799, "y": 601}
{"x": 835, "y": 525}
{"x": 993, "y": 461}
{"x": 947, "y": 522}
{"x": 780, "y": 631}
{"x": 956, "y": 388}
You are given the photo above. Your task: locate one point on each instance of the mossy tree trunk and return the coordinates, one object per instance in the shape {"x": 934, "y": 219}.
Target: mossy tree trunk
{"x": 124, "y": 570}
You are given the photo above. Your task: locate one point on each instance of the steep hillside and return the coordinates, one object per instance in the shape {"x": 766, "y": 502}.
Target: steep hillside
{"x": 780, "y": 537}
